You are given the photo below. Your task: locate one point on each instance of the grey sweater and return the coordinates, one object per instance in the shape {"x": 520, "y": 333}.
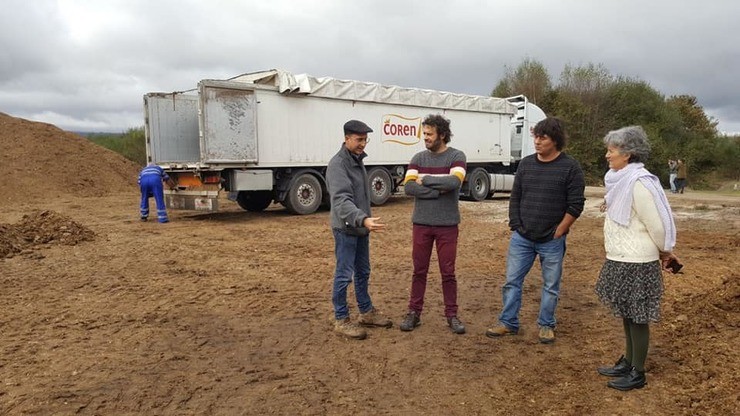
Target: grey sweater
{"x": 437, "y": 198}
{"x": 349, "y": 192}
{"x": 543, "y": 193}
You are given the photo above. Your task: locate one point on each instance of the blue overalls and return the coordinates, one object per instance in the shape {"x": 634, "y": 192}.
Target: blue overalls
{"x": 150, "y": 182}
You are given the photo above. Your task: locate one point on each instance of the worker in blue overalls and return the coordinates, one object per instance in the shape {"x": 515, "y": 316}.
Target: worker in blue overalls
{"x": 150, "y": 183}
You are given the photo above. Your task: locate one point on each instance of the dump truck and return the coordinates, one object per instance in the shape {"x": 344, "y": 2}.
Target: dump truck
{"x": 267, "y": 137}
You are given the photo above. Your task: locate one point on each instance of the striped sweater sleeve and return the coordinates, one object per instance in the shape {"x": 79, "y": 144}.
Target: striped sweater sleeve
{"x": 458, "y": 169}
{"x": 412, "y": 173}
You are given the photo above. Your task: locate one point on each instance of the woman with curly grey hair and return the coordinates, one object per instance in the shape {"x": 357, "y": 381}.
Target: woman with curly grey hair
{"x": 639, "y": 235}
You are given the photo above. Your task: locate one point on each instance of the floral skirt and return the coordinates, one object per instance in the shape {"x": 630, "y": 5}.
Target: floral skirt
{"x": 631, "y": 290}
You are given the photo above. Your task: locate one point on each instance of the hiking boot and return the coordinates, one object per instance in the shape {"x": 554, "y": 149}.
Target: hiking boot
{"x": 500, "y": 331}
{"x": 547, "y": 335}
{"x": 634, "y": 379}
{"x": 410, "y": 321}
{"x": 374, "y": 318}
{"x": 455, "y": 325}
{"x": 348, "y": 329}
{"x": 621, "y": 368}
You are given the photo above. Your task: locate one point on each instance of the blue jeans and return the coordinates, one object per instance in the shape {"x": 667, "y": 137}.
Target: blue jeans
{"x": 522, "y": 253}
{"x": 353, "y": 260}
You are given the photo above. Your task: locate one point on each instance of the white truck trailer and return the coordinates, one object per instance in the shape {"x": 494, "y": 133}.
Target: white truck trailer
{"x": 268, "y": 136}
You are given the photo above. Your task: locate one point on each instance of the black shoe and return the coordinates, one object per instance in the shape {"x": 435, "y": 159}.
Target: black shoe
{"x": 634, "y": 380}
{"x": 455, "y": 325}
{"x": 143, "y": 219}
{"x": 621, "y": 368}
{"x": 410, "y": 321}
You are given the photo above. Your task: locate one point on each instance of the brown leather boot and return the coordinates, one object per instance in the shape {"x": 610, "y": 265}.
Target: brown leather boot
{"x": 347, "y": 328}
{"x": 373, "y": 317}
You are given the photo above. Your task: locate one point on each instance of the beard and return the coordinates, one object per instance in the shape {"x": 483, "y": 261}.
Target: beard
{"x": 435, "y": 145}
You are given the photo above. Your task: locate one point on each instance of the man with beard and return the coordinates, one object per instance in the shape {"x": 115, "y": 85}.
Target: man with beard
{"x": 433, "y": 178}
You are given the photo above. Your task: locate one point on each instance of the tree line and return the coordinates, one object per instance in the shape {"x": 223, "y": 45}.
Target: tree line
{"x": 131, "y": 144}
{"x": 591, "y": 101}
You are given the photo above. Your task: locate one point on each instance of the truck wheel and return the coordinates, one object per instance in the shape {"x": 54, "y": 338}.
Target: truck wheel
{"x": 254, "y": 201}
{"x": 479, "y": 184}
{"x": 380, "y": 185}
{"x": 304, "y": 196}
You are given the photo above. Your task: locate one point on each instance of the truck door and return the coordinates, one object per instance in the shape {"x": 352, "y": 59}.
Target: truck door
{"x": 228, "y": 123}
{"x": 171, "y": 128}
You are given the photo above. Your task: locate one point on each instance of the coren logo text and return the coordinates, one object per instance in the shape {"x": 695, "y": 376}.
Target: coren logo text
{"x": 401, "y": 130}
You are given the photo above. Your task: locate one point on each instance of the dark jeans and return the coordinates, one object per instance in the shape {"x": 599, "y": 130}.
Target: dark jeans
{"x": 423, "y": 238}
{"x": 353, "y": 260}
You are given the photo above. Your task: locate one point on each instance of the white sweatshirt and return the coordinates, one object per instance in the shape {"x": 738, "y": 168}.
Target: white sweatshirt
{"x": 640, "y": 241}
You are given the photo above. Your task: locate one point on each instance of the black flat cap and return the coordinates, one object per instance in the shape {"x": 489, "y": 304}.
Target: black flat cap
{"x": 356, "y": 127}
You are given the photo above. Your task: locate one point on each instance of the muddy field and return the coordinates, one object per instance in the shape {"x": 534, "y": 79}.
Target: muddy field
{"x": 230, "y": 313}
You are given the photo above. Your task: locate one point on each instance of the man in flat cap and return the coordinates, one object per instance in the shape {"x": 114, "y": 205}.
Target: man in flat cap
{"x": 352, "y": 223}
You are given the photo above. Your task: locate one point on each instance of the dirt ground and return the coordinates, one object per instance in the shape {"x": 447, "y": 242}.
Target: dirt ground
{"x": 230, "y": 313}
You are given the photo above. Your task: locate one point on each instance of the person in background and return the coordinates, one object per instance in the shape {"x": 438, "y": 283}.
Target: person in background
{"x": 681, "y": 176}
{"x": 351, "y": 224}
{"x": 639, "y": 236}
{"x": 433, "y": 178}
{"x": 547, "y": 198}
{"x": 150, "y": 184}
{"x": 672, "y": 171}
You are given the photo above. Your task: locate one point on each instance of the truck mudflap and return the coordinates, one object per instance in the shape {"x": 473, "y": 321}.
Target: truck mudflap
{"x": 190, "y": 200}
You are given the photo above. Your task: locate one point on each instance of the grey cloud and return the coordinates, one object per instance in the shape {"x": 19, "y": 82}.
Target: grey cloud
{"x": 679, "y": 47}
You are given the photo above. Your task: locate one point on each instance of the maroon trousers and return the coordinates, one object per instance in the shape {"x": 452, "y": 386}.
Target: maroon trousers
{"x": 424, "y": 237}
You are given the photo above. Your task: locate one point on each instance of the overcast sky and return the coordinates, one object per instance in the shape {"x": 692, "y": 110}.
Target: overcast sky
{"x": 84, "y": 65}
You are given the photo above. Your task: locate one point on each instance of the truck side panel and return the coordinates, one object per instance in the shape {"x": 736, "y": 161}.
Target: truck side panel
{"x": 307, "y": 131}
{"x": 172, "y": 128}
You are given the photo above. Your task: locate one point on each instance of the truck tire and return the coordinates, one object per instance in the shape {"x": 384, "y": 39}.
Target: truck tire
{"x": 254, "y": 201}
{"x": 479, "y": 184}
{"x": 304, "y": 196}
{"x": 381, "y": 185}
